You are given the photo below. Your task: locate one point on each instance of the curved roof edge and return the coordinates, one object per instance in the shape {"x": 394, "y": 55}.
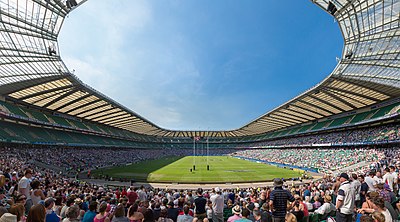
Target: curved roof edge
{"x": 31, "y": 70}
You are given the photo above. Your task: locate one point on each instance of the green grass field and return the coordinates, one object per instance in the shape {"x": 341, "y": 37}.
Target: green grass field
{"x": 223, "y": 169}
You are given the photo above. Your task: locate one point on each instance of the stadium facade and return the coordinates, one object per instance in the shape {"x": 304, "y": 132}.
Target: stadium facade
{"x": 42, "y": 102}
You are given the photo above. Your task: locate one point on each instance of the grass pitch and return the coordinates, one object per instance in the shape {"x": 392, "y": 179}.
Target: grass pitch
{"x": 223, "y": 169}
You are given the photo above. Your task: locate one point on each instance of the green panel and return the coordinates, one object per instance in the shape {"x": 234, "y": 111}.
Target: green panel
{"x": 39, "y": 116}
{"x": 78, "y": 124}
{"x": 339, "y": 122}
{"x": 361, "y": 116}
{"x": 60, "y": 121}
{"x": 305, "y": 128}
{"x": 383, "y": 111}
{"x": 294, "y": 130}
{"x": 15, "y": 110}
{"x": 320, "y": 125}
{"x": 95, "y": 128}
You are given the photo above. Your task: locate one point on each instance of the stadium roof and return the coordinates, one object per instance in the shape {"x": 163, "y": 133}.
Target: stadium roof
{"x": 32, "y": 72}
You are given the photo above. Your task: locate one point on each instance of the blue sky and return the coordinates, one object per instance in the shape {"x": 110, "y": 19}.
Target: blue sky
{"x": 200, "y": 65}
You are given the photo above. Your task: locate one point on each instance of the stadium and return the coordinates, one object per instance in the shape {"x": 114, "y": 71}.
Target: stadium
{"x": 63, "y": 129}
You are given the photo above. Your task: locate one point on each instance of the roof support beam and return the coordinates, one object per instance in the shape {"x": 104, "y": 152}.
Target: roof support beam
{"x": 283, "y": 110}
{"x": 100, "y": 111}
{"x": 274, "y": 121}
{"x": 354, "y": 93}
{"x": 327, "y": 103}
{"x": 339, "y": 99}
{"x": 74, "y": 101}
{"x": 59, "y": 98}
{"x": 18, "y": 86}
{"x": 286, "y": 118}
{"x": 124, "y": 119}
{"x": 108, "y": 115}
{"x": 308, "y": 110}
{"x": 87, "y": 104}
{"x": 368, "y": 85}
{"x": 317, "y": 107}
{"x": 45, "y": 92}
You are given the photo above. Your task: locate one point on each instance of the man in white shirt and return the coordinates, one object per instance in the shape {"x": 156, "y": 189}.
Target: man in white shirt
{"x": 217, "y": 201}
{"x": 395, "y": 178}
{"x": 388, "y": 178}
{"x": 345, "y": 201}
{"x": 378, "y": 177}
{"x": 357, "y": 188}
{"x": 24, "y": 187}
{"x": 370, "y": 181}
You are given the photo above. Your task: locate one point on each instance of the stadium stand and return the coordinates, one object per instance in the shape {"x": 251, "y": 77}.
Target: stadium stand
{"x": 51, "y": 121}
{"x": 30, "y": 116}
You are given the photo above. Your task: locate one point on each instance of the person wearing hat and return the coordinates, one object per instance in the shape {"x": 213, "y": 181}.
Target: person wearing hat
{"x": 218, "y": 205}
{"x": 7, "y": 217}
{"x": 327, "y": 207}
{"x": 278, "y": 201}
{"x": 245, "y": 216}
{"x": 236, "y": 211}
{"x": 345, "y": 200}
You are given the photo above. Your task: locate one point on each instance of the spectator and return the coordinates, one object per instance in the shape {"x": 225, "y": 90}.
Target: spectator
{"x": 37, "y": 213}
{"x": 185, "y": 217}
{"x": 296, "y": 211}
{"x": 345, "y": 200}
{"x": 133, "y": 214}
{"x": 278, "y": 201}
{"x": 218, "y": 205}
{"x": 37, "y": 194}
{"x": 119, "y": 214}
{"x": 102, "y": 216}
{"x": 7, "y": 217}
{"x": 236, "y": 211}
{"x": 163, "y": 216}
{"x": 378, "y": 204}
{"x": 51, "y": 216}
{"x": 327, "y": 207}
{"x": 18, "y": 210}
{"x": 24, "y": 188}
{"x": 91, "y": 214}
{"x": 132, "y": 195}
{"x": 245, "y": 216}
{"x": 200, "y": 205}
{"x": 72, "y": 214}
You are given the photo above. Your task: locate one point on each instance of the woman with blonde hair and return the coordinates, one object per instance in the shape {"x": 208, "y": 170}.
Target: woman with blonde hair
{"x": 327, "y": 207}
{"x": 378, "y": 217}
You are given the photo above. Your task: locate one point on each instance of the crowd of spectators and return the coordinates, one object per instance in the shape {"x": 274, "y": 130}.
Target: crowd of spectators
{"x": 370, "y": 134}
{"x": 75, "y": 159}
{"x": 31, "y": 193}
{"x": 322, "y": 159}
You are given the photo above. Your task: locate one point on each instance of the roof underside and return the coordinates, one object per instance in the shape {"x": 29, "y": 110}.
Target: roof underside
{"x": 32, "y": 72}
